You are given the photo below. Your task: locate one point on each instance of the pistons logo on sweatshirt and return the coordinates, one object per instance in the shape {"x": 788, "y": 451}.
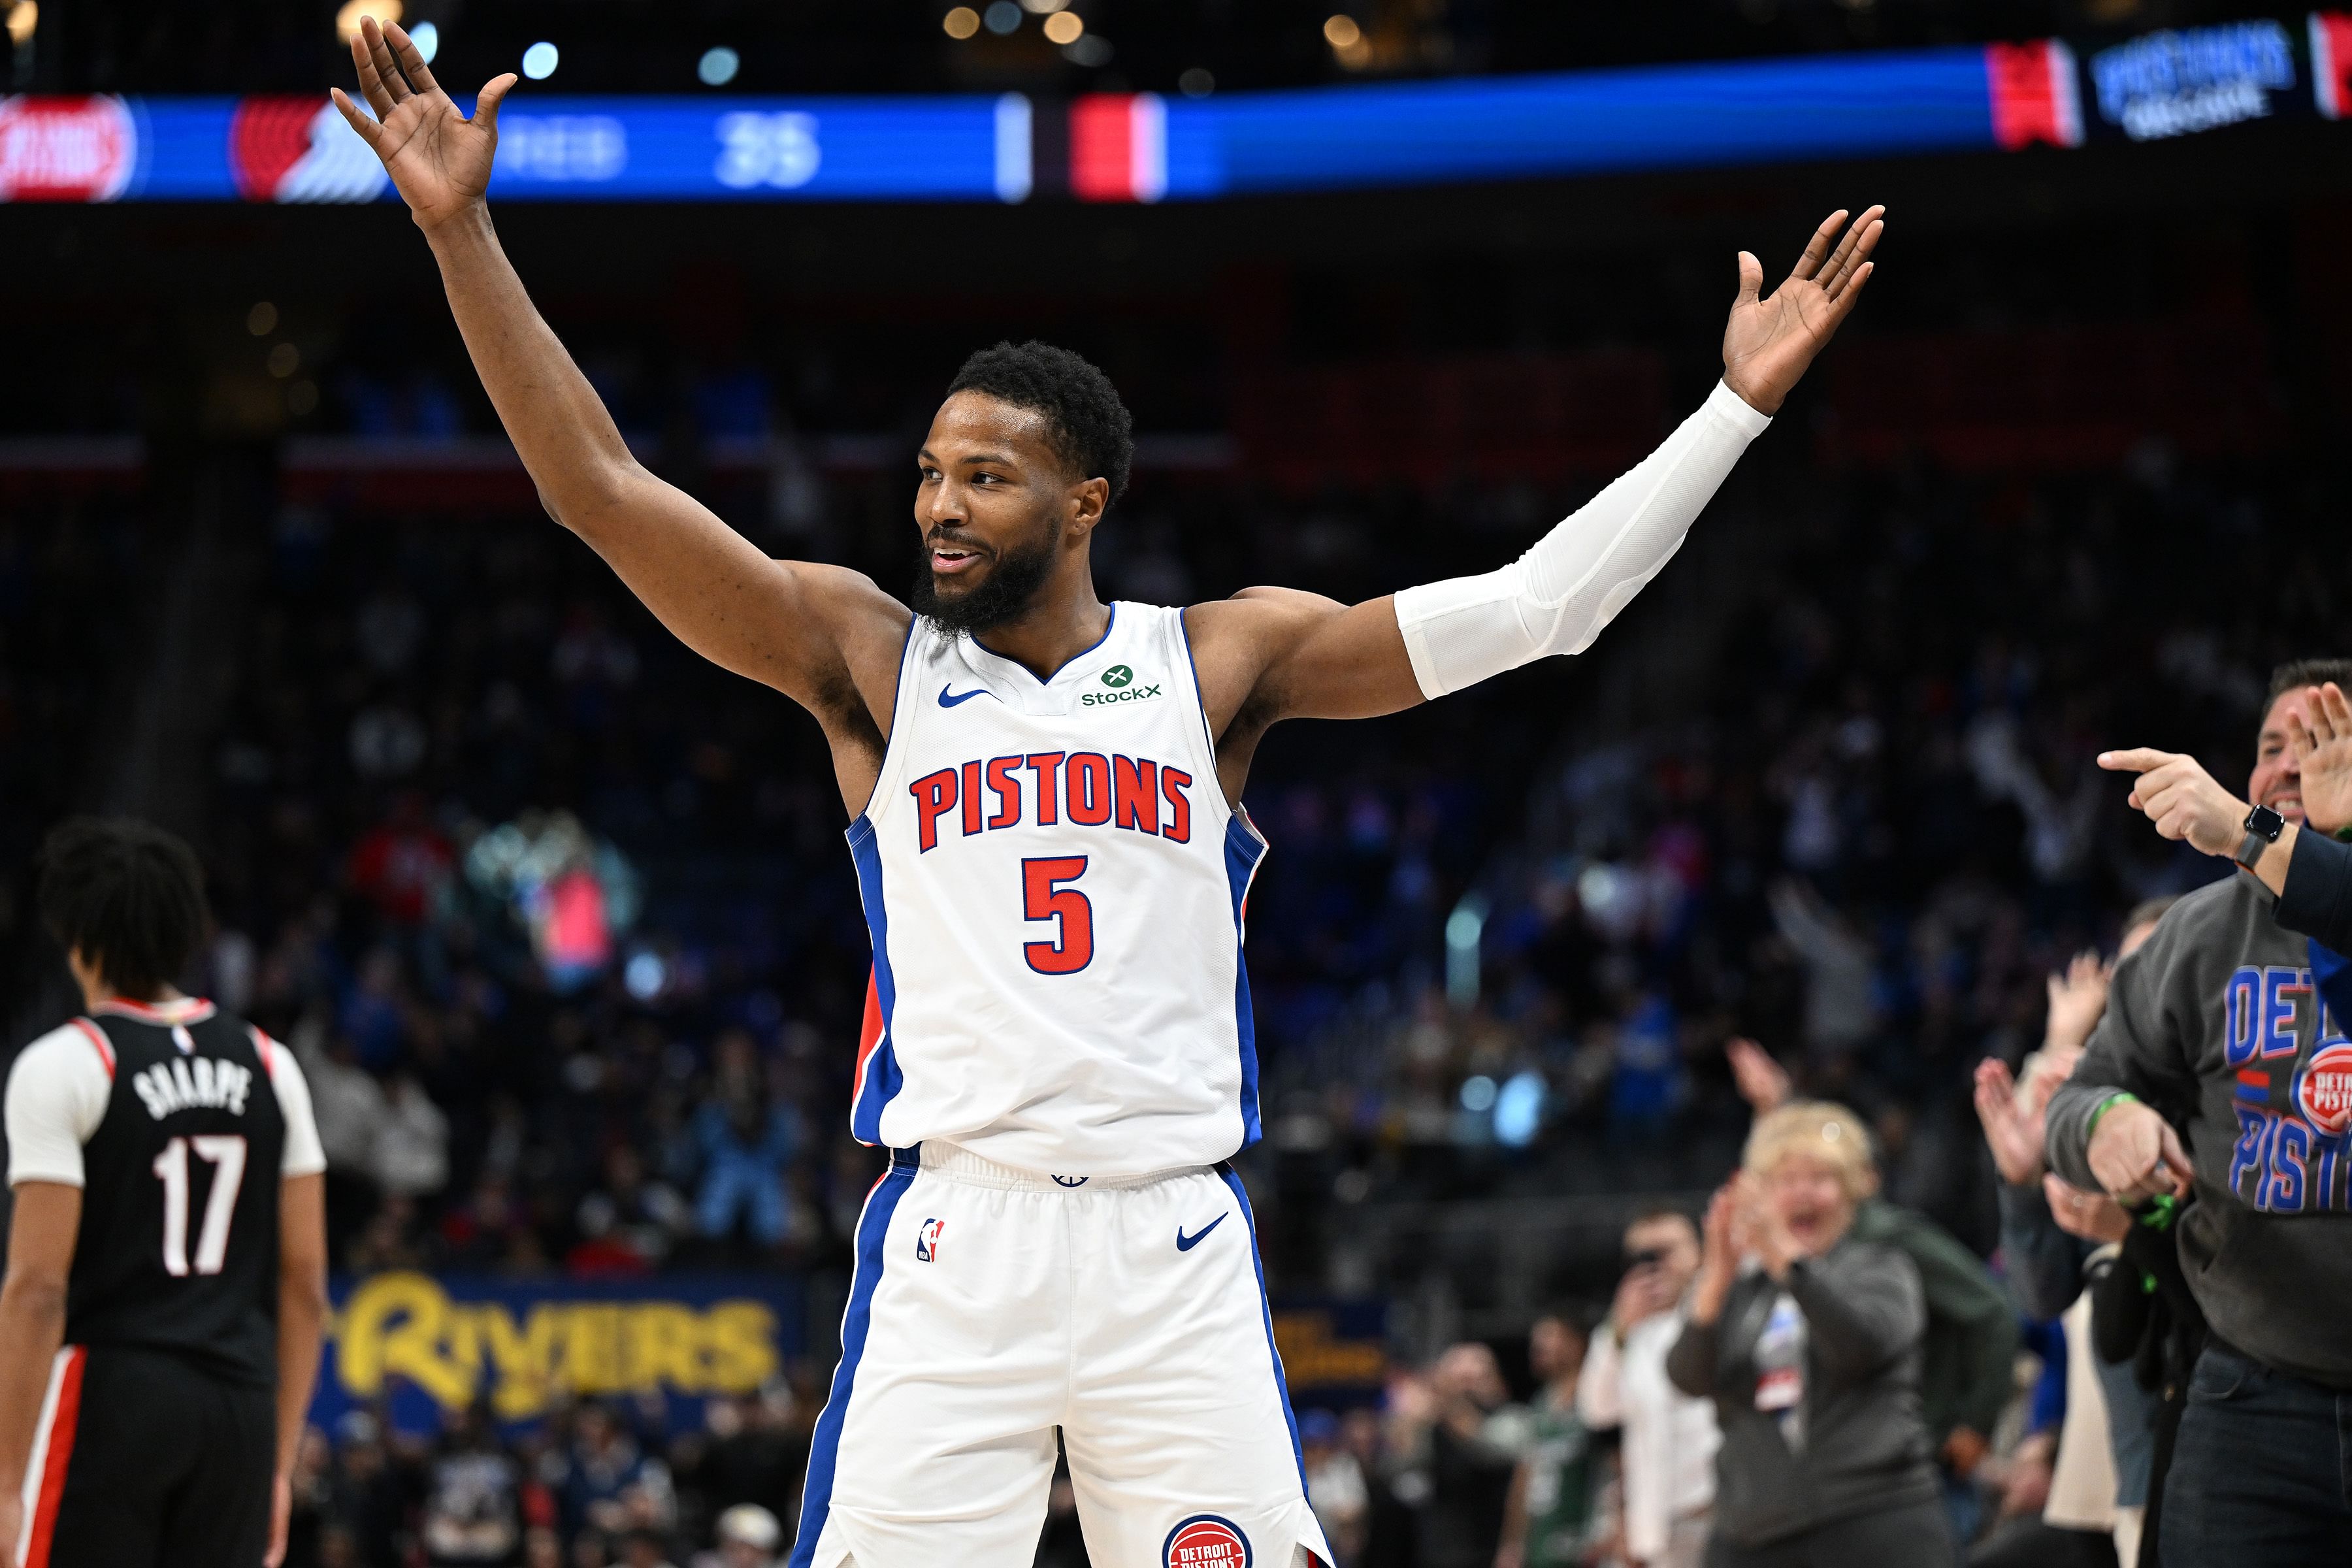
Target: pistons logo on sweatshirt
{"x": 2324, "y": 1093}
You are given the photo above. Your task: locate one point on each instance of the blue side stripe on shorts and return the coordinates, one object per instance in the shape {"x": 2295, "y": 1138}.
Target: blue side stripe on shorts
{"x": 1265, "y": 1309}
{"x": 1245, "y": 850}
{"x": 824, "y": 1445}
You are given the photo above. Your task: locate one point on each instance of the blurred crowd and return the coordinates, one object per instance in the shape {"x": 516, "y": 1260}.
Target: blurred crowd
{"x": 594, "y": 1486}
{"x": 1864, "y": 831}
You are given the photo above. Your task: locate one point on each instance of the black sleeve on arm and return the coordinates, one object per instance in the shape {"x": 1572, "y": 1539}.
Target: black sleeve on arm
{"x": 1862, "y": 1308}
{"x": 2316, "y": 902}
{"x": 2120, "y": 1300}
{"x": 2045, "y": 1263}
{"x": 1691, "y": 1364}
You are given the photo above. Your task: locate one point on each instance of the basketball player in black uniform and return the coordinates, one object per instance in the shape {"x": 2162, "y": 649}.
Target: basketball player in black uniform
{"x": 166, "y": 1283}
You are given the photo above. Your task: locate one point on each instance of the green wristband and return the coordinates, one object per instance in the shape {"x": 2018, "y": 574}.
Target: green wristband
{"x": 2118, "y": 1098}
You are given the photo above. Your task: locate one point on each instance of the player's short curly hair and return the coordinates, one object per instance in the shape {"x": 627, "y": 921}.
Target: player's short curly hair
{"x": 128, "y": 896}
{"x": 1089, "y": 427}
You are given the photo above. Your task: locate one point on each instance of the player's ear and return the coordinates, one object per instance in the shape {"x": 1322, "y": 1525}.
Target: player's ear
{"x": 1088, "y": 499}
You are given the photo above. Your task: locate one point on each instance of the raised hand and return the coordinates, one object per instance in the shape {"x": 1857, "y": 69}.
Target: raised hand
{"x": 2323, "y": 750}
{"x": 439, "y": 159}
{"x": 1763, "y": 1082}
{"x": 1771, "y": 340}
{"x": 2077, "y": 999}
{"x": 1720, "y": 1252}
{"x": 2014, "y": 1136}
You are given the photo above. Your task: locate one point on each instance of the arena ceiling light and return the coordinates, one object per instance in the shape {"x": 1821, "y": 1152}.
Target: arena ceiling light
{"x": 347, "y": 19}
{"x": 960, "y": 23}
{"x": 540, "y": 60}
{"x": 1065, "y": 28}
{"x": 718, "y": 66}
{"x": 1043, "y": 7}
{"x": 24, "y": 17}
{"x": 426, "y": 36}
{"x": 1347, "y": 42}
{"x": 1003, "y": 17}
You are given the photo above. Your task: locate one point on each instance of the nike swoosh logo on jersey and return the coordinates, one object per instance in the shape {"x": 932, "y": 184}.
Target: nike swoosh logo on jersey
{"x": 1187, "y": 1243}
{"x": 949, "y": 698}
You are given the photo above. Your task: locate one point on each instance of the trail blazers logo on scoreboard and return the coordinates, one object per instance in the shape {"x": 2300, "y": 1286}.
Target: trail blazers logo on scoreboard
{"x": 301, "y": 150}
{"x": 1205, "y": 1541}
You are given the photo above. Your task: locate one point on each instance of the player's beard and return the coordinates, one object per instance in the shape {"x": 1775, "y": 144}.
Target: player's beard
{"x": 1004, "y": 594}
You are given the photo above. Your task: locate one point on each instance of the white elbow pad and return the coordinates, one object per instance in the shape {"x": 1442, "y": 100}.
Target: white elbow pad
{"x": 1566, "y": 590}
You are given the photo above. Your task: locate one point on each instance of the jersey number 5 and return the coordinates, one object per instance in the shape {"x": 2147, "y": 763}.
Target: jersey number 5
{"x": 226, "y": 1153}
{"x": 1043, "y": 897}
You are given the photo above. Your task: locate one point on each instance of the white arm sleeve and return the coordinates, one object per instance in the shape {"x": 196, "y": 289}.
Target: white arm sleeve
{"x": 304, "y": 1155}
{"x": 57, "y": 1097}
{"x": 1564, "y": 591}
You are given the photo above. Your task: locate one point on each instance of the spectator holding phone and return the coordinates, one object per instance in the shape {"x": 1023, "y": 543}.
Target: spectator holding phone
{"x": 1667, "y": 1448}
{"x": 1812, "y": 1356}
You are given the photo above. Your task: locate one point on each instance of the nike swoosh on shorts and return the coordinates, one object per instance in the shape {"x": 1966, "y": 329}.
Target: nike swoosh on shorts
{"x": 1187, "y": 1243}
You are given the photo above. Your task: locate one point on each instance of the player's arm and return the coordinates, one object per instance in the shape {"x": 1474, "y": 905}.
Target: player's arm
{"x": 41, "y": 1231}
{"x": 301, "y": 1273}
{"x": 57, "y": 1096}
{"x": 780, "y": 623}
{"x": 1281, "y": 659}
{"x": 301, "y": 1328}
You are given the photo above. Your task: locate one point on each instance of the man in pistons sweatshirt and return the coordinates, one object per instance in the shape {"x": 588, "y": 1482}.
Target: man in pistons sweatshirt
{"x": 2220, "y": 1070}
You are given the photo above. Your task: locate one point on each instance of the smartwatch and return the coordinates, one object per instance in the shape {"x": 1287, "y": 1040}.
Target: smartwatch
{"x": 2263, "y": 827}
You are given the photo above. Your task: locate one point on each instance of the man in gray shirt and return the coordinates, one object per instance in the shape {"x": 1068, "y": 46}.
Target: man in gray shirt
{"x": 2219, "y": 1071}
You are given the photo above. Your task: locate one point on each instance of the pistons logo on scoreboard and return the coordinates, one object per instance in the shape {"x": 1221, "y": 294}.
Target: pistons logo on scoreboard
{"x": 927, "y": 1241}
{"x": 1205, "y": 1541}
{"x": 66, "y": 149}
{"x": 2324, "y": 1090}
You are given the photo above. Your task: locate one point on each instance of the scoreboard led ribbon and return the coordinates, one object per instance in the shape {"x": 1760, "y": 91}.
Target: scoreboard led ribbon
{"x": 1141, "y": 147}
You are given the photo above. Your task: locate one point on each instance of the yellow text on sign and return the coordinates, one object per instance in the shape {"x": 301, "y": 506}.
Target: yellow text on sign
{"x": 406, "y": 1326}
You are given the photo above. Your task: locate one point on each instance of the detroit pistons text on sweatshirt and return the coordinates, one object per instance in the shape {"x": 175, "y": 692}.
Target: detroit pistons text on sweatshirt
{"x": 2216, "y": 1023}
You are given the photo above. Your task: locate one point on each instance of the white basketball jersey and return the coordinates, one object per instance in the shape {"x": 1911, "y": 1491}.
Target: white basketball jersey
{"x": 1055, "y": 885}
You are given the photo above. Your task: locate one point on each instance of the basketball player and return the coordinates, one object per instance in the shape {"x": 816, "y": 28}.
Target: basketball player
{"x": 1049, "y": 836}
{"x": 167, "y": 1259}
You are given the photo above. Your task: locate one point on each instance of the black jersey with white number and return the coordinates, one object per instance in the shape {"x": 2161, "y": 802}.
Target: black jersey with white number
{"x": 178, "y": 1248}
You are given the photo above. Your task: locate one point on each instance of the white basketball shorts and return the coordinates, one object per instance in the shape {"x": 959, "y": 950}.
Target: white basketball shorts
{"x": 991, "y": 1306}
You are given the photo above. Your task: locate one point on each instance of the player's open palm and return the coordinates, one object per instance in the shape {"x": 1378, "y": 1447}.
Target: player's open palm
{"x": 1771, "y": 338}
{"x": 439, "y": 159}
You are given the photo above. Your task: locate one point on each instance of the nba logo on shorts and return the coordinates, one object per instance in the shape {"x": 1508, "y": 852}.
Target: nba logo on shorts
{"x": 1204, "y": 1541}
{"x": 927, "y": 1240}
